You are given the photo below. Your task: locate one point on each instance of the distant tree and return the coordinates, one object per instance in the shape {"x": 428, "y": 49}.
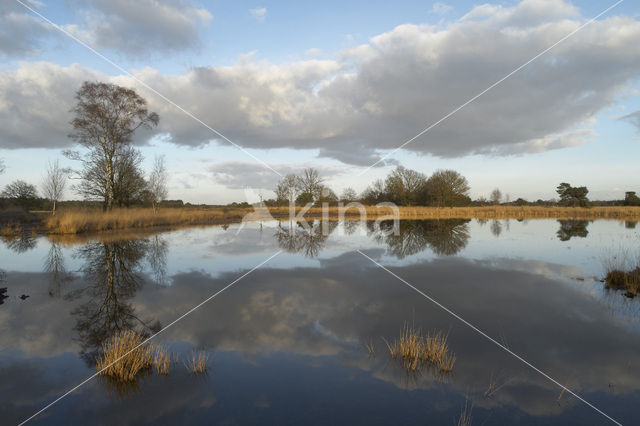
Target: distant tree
{"x": 572, "y": 196}
{"x": 158, "y": 182}
{"x": 327, "y": 196}
{"x": 106, "y": 118}
{"x": 375, "y": 193}
{"x": 404, "y": 186}
{"x": 496, "y": 196}
{"x": 348, "y": 195}
{"x": 21, "y": 192}
{"x": 311, "y": 185}
{"x": 631, "y": 199}
{"x": 521, "y": 202}
{"x": 288, "y": 189}
{"x": 447, "y": 188}
{"x": 54, "y": 183}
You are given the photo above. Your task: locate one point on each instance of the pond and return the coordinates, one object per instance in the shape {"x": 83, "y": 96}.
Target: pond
{"x": 303, "y": 338}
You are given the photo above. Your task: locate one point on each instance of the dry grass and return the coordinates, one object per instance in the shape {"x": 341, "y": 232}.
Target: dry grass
{"x": 465, "y": 415}
{"x": 81, "y": 221}
{"x": 11, "y": 229}
{"x": 487, "y": 212}
{"x": 198, "y": 362}
{"x": 161, "y": 361}
{"x": 415, "y": 350}
{"x": 119, "y": 346}
{"x": 623, "y": 273}
{"x": 91, "y": 220}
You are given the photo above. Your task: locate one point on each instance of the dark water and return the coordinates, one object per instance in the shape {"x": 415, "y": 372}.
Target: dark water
{"x": 288, "y": 341}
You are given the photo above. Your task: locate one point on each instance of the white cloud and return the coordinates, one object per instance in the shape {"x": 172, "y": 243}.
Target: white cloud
{"x": 377, "y": 95}
{"x": 258, "y": 13}
{"x": 135, "y": 29}
{"x": 441, "y": 8}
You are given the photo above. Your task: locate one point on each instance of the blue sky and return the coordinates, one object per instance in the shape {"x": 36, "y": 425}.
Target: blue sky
{"x": 358, "y": 108}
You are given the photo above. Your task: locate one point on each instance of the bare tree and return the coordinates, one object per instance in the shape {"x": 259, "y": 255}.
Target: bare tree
{"x": 288, "y": 189}
{"x": 106, "y": 118}
{"x": 128, "y": 183}
{"x": 310, "y": 186}
{"x": 20, "y": 190}
{"x": 348, "y": 195}
{"x": 158, "y": 182}
{"x": 496, "y": 196}
{"x": 54, "y": 183}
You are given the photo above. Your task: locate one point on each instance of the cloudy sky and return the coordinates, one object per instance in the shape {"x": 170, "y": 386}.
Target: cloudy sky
{"x": 337, "y": 86}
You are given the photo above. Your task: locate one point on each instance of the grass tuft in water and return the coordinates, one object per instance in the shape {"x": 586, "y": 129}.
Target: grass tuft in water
{"x": 123, "y": 356}
{"x": 161, "y": 361}
{"x": 623, "y": 273}
{"x": 197, "y": 364}
{"x": 416, "y": 350}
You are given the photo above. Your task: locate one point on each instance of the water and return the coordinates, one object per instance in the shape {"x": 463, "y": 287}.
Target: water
{"x": 288, "y": 341}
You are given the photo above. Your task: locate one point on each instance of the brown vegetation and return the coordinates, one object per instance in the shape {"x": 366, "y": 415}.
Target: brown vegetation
{"x": 123, "y": 356}
{"x": 416, "y": 350}
{"x": 198, "y": 362}
{"x": 83, "y": 221}
{"x": 161, "y": 361}
{"x": 87, "y": 221}
{"x": 623, "y": 273}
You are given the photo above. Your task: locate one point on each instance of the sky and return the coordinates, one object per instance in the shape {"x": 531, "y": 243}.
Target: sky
{"x": 337, "y": 86}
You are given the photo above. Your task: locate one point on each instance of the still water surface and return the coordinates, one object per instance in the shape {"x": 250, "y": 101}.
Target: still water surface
{"x": 288, "y": 342}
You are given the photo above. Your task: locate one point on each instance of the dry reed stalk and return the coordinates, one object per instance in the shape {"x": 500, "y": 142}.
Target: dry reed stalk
{"x": 123, "y": 358}
{"x": 415, "y": 350}
{"x": 161, "y": 361}
{"x": 198, "y": 362}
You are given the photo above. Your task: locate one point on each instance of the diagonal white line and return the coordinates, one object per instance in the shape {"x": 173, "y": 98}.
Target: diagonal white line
{"x": 590, "y": 21}
{"x": 149, "y": 338}
{"x": 482, "y": 333}
{"x": 68, "y": 34}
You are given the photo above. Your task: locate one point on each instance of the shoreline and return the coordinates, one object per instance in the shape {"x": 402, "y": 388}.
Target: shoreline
{"x": 75, "y": 222}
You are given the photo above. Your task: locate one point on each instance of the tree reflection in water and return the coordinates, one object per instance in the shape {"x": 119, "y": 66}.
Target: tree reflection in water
{"x": 307, "y": 238}
{"x": 54, "y": 266}
{"x": 113, "y": 274}
{"x": 444, "y": 237}
{"x": 572, "y": 228}
{"x": 19, "y": 243}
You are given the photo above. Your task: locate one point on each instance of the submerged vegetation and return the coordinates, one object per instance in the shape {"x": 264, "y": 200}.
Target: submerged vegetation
{"x": 415, "y": 350}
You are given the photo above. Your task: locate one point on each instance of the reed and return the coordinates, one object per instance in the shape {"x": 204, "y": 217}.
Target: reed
{"x": 414, "y": 350}
{"x": 161, "y": 361}
{"x": 197, "y": 364}
{"x": 84, "y": 221}
{"x": 90, "y": 220}
{"x": 123, "y": 356}
{"x": 623, "y": 273}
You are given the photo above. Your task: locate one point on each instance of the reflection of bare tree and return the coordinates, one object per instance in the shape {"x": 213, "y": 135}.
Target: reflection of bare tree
{"x": 20, "y": 243}
{"x": 444, "y": 237}
{"x": 3, "y": 290}
{"x": 307, "y": 238}
{"x": 112, "y": 271}
{"x": 157, "y": 258}
{"x": 630, "y": 224}
{"x": 572, "y": 228}
{"x": 350, "y": 226}
{"x": 496, "y": 228}
{"x": 54, "y": 266}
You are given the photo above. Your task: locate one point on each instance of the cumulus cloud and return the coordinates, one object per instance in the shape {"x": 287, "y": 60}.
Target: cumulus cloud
{"x": 135, "y": 28}
{"x": 375, "y": 96}
{"x": 21, "y": 33}
{"x": 131, "y": 28}
{"x": 258, "y": 13}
